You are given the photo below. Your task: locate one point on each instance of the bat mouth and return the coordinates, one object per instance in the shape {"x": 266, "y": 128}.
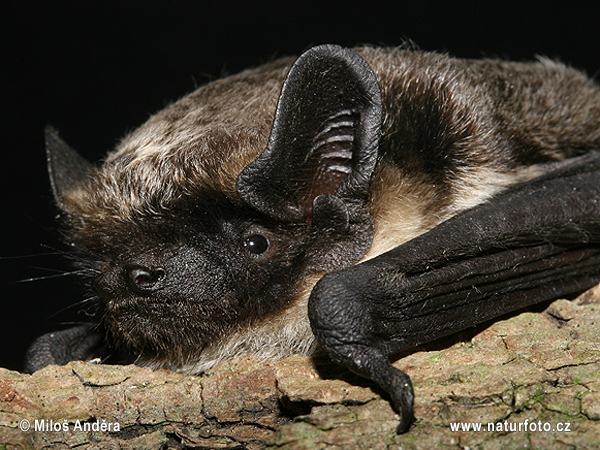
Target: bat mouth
{"x": 173, "y": 331}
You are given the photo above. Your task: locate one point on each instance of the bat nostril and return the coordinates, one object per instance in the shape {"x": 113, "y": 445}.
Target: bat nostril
{"x": 143, "y": 279}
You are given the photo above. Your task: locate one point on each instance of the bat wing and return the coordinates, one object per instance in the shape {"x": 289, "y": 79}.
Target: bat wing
{"x": 537, "y": 241}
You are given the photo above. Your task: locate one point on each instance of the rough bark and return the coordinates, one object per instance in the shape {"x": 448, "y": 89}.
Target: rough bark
{"x": 543, "y": 367}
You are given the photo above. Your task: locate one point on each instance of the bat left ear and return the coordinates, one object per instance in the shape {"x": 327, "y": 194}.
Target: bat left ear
{"x": 67, "y": 168}
{"x": 321, "y": 153}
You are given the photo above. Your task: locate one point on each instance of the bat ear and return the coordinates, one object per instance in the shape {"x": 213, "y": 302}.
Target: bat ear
{"x": 67, "y": 169}
{"x": 323, "y": 146}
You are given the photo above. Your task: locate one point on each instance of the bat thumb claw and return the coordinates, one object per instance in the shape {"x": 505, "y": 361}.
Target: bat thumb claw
{"x": 401, "y": 391}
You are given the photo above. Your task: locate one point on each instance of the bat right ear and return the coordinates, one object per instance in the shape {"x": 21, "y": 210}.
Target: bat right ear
{"x": 67, "y": 168}
{"x": 321, "y": 154}
{"x": 324, "y": 140}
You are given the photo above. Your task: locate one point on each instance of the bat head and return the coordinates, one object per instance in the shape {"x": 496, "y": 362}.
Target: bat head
{"x": 202, "y": 230}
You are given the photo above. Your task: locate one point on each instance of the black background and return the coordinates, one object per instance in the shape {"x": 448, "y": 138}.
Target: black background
{"x": 97, "y": 69}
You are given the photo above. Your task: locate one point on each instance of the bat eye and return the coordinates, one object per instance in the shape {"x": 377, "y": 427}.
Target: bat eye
{"x": 257, "y": 244}
{"x": 143, "y": 279}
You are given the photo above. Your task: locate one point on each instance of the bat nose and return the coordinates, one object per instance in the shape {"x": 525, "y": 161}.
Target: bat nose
{"x": 143, "y": 279}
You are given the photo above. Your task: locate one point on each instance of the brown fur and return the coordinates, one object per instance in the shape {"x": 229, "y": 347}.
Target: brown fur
{"x": 454, "y": 133}
{"x": 207, "y": 137}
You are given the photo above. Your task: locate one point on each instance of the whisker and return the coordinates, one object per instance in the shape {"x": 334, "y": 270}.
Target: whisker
{"x": 72, "y": 323}
{"x": 35, "y": 255}
{"x": 52, "y": 232}
{"x": 47, "y": 277}
{"x": 49, "y": 269}
{"x": 57, "y": 250}
{"x": 91, "y": 299}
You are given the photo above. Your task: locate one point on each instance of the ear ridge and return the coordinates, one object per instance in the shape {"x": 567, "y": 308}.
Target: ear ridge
{"x": 332, "y": 154}
{"x": 67, "y": 168}
{"x": 324, "y": 138}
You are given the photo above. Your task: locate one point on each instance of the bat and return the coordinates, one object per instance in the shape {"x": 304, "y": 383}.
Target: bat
{"x": 355, "y": 202}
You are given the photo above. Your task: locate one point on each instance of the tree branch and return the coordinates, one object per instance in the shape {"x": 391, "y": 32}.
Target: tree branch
{"x": 543, "y": 368}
